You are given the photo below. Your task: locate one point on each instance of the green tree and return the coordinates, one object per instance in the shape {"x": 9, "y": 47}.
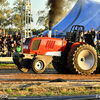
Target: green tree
{"x": 43, "y": 18}
{"x": 5, "y": 14}
{"x": 19, "y": 14}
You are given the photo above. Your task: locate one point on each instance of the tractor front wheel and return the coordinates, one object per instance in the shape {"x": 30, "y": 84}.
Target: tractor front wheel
{"x": 38, "y": 65}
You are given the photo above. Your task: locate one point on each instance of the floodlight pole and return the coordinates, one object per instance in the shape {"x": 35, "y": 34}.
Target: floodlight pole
{"x": 27, "y": 18}
{"x": 23, "y": 9}
{"x": 26, "y": 24}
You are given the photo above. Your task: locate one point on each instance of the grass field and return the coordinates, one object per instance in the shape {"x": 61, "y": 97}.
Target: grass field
{"x": 74, "y": 91}
{"x": 8, "y": 66}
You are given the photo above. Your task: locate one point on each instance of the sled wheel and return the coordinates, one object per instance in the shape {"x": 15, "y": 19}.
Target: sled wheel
{"x": 38, "y": 66}
{"x": 82, "y": 59}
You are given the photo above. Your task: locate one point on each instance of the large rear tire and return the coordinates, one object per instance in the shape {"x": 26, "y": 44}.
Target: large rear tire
{"x": 60, "y": 64}
{"x": 61, "y": 68}
{"x": 82, "y": 59}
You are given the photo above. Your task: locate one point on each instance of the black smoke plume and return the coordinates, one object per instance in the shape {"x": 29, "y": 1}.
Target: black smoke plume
{"x": 56, "y": 8}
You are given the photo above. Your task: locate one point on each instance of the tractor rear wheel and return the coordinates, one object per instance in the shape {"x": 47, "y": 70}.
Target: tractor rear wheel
{"x": 82, "y": 59}
{"x": 38, "y": 65}
{"x": 61, "y": 68}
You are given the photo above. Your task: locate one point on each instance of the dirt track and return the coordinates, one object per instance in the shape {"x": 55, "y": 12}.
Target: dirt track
{"x": 48, "y": 75}
{"x": 16, "y": 79}
{"x": 47, "y": 71}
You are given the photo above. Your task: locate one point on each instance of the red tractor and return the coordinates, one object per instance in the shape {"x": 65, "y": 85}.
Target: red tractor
{"x": 77, "y": 53}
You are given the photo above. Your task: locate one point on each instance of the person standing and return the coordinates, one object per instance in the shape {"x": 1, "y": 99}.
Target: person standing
{"x": 37, "y": 35}
{"x": 46, "y": 35}
{"x": 93, "y": 34}
{"x": 5, "y": 50}
{"x": 18, "y": 48}
{"x": 41, "y": 35}
{"x": 10, "y": 36}
{"x": 4, "y": 42}
{"x": 98, "y": 42}
{"x": 10, "y": 46}
{"x": 88, "y": 38}
{"x": 16, "y": 38}
{"x": 98, "y": 35}
{"x": 89, "y": 32}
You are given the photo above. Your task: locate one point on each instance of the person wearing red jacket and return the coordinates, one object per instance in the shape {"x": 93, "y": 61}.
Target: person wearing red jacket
{"x": 46, "y": 35}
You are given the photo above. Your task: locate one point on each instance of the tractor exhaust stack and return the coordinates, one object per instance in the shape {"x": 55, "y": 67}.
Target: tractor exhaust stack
{"x": 50, "y": 32}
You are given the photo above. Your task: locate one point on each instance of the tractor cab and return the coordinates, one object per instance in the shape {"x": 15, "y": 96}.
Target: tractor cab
{"x": 78, "y": 34}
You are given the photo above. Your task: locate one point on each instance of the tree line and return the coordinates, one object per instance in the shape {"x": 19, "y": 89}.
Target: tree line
{"x": 13, "y": 16}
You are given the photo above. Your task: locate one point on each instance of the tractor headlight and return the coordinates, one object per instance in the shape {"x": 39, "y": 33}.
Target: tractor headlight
{"x": 26, "y": 47}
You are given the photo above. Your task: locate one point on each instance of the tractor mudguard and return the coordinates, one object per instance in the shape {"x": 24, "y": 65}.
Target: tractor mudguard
{"x": 77, "y": 43}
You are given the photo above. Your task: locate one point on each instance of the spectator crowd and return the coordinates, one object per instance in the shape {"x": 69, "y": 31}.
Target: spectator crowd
{"x": 95, "y": 37}
{"x": 41, "y": 35}
{"x": 9, "y": 44}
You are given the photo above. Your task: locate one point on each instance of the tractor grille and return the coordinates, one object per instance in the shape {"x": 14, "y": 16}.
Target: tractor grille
{"x": 50, "y": 44}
